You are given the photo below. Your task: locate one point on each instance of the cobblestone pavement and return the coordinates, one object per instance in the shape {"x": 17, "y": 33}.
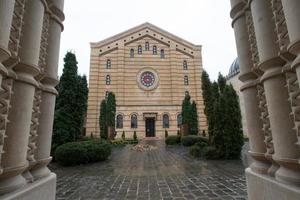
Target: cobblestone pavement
{"x": 163, "y": 173}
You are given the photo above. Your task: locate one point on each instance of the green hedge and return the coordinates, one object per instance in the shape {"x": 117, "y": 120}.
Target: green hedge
{"x": 172, "y": 139}
{"x": 195, "y": 151}
{"x": 192, "y": 139}
{"x": 211, "y": 153}
{"x": 74, "y": 153}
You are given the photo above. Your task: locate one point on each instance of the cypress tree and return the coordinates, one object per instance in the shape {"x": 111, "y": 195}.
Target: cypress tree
{"x": 65, "y": 128}
{"x": 102, "y": 120}
{"x": 111, "y": 109}
{"x": 186, "y": 109}
{"x": 194, "y": 119}
{"x": 221, "y": 82}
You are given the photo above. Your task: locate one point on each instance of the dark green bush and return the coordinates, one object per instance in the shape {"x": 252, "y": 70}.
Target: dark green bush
{"x": 123, "y": 135}
{"x": 172, "y": 139}
{"x": 74, "y": 153}
{"x": 178, "y": 132}
{"x": 195, "y": 151}
{"x": 191, "y": 140}
{"x": 211, "y": 153}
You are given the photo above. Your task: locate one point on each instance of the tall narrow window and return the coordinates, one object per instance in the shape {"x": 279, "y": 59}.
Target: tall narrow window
{"x": 162, "y": 53}
{"x": 119, "y": 121}
{"x": 166, "y": 121}
{"x": 140, "y": 49}
{"x": 186, "y": 80}
{"x": 179, "y": 120}
{"x": 131, "y": 53}
{"x": 185, "y": 65}
{"x": 108, "y": 64}
{"x": 154, "y": 50}
{"x": 133, "y": 121}
{"x": 107, "y": 80}
{"x": 147, "y": 46}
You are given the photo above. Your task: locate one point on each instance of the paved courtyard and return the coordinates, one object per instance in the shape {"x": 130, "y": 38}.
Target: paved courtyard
{"x": 163, "y": 173}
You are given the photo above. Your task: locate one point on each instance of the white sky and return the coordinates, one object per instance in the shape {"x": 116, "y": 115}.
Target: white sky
{"x": 202, "y": 22}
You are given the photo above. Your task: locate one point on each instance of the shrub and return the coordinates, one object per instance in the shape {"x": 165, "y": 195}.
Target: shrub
{"x": 195, "y": 151}
{"x": 166, "y": 134}
{"x": 74, "y": 153}
{"x": 134, "y": 136}
{"x": 191, "y": 140}
{"x": 203, "y": 133}
{"x": 173, "y": 139}
{"x": 123, "y": 135}
{"x": 178, "y": 133}
{"x": 211, "y": 153}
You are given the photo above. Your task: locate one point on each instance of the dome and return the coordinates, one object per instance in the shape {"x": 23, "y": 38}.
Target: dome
{"x": 234, "y": 68}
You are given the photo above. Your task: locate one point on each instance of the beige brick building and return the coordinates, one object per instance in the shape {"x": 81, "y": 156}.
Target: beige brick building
{"x": 149, "y": 70}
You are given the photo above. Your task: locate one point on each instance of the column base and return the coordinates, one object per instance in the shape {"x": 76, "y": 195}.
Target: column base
{"x": 262, "y": 187}
{"x": 43, "y": 189}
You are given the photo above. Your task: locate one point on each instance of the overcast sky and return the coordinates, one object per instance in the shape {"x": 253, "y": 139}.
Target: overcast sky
{"x": 202, "y": 22}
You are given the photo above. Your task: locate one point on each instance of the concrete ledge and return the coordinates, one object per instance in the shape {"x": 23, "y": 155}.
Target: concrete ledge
{"x": 261, "y": 187}
{"x": 43, "y": 189}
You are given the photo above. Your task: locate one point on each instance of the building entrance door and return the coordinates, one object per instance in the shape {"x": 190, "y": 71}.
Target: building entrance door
{"x": 150, "y": 127}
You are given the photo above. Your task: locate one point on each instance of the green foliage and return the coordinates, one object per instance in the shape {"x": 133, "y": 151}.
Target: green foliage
{"x": 172, "y": 140}
{"x": 102, "y": 120}
{"x": 71, "y": 103}
{"x": 221, "y": 83}
{"x": 111, "y": 109}
{"x": 203, "y": 133}
{"x": 178, "y": 133}
{"x": 123, "y": 135}
{"x": 134, "y": 136}
{"x": 74, "y": 153}
{"x": 166, "y": 134}
{"x": 211, "y": 153}
{"x": 186, "y": 109}
{"x": 194, "y": 119}
{"x": 190, "y": 140}
{"x": 195, "y": 151}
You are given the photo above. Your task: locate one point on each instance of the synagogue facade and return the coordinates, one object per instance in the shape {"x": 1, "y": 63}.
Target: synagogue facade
{"x": 150, "y": 71}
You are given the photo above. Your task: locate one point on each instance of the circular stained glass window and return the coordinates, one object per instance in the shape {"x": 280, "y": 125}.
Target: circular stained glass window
{"x": 147, "y": 79}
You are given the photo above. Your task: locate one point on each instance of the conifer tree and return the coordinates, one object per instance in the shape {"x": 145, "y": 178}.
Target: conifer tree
{"x": 65, "y": 128}
{"x": 186, "y": 109}
{"x": 221, "y": 82}
{"x": 194, "y": 119}
{"x": 111, "y": 109}
{"x": 102, "y": 120}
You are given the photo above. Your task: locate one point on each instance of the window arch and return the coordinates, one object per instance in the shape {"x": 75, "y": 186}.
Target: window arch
{"x": 107, "y": 80}
{"x": 119, "y": 121}
{"x": 166, "y": 122}
{"x": 186, "y": 80}
{"x": 185, "y": 65}
{"x": 147, "y": 46}
{"x": 140, "y": 50}
{"x": 179, "y": 120}
{"x": 131, "y": 53}
{"x": 133, "y": 123}
{"x": 154, "y": 50}
{"x": 162, "y": 53}
{"x": 108, "y": 64}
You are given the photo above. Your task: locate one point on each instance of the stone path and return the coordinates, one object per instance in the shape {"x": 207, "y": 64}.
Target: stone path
{"x": 163, "y": 173}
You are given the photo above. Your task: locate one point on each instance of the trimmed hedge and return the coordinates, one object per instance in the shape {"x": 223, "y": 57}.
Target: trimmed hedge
{"x": 192, "y": 139}
{"x": 172, "y": 139}
{"x": 211, "y": 153}
{"x": 195, "y": 151}
{"x": 75, "y": 153}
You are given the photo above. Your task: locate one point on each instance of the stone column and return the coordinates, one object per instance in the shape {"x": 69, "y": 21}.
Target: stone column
{"x": 14, "y": 159}
{"x": 273, "y": 79}
{"x": 6, "y": 16}
{"x": 43, "y": 143}
{"x": 249, "y": 91}
{"x": 292, "y": 15}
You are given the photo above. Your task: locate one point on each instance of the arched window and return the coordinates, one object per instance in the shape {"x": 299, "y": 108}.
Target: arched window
{"x": 162, "y": 53}
{"x": 107, "y": 80}
{"x": 166, "y": 121}
{"x": 147, "y": 46}
{"x": 186, "y": 80}
{"x": 154, "y": 50}
{"x": 185, "y": 65}
{"x": 133, "y": 123}
{"x": 119, "y": 121}
{"x": 108, "y": 64}
{"x": 131, "y": 53}
{"x": 140, "y": 49}
{"x": 179, "y": 120}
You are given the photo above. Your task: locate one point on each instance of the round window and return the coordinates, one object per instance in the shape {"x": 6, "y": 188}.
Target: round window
{"x": 147, "y": 79}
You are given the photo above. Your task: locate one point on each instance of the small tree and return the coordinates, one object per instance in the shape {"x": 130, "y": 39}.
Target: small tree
{"x": 166, "y": 133}
{"x": 186, "y": 109}
{"x": 102, "y": 120}
{"x": 193, "y": 119}
{"x": 134, "y": 136}
{"x": 123, "y": 135}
